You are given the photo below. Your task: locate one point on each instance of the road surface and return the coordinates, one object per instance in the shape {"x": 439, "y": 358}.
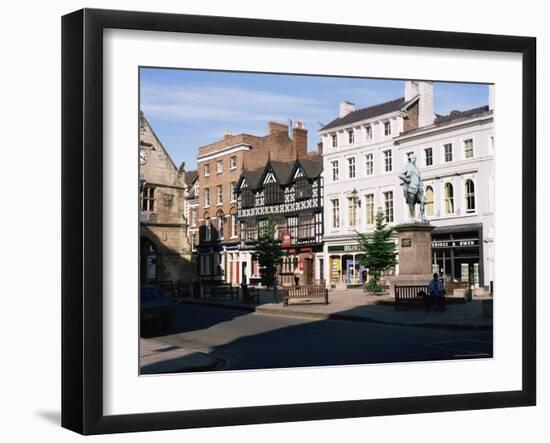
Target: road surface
{"x": 245, "y": 340}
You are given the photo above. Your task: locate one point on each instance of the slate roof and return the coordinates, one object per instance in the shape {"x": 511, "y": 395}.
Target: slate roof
{"x": 366, "y": 113}
{"x": 283, "y": 171}
{"x": 456, "y": 115}
{"x": 190, "y": 177}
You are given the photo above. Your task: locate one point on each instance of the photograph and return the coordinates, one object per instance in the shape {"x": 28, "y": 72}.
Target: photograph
{"x": 290, "y": 220}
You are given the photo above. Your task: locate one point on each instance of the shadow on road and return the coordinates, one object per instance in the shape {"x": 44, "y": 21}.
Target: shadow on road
{"x": 284, "y": 342}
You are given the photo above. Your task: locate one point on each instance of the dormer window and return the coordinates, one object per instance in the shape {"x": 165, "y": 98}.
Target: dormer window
{"x": 387, "y": 128}
{"x": 303, "y": 189}
{"x": 368, "y": 131}
{"x": 273, "y": 194}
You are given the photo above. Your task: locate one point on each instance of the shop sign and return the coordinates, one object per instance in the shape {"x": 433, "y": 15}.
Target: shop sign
{"x": 455, "y": 243}
{"x": 344, "y": 248}
{"x": 286, "y": 239}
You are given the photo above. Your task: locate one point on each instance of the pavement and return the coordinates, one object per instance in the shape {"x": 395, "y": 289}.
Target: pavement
{"x": 158, "y": 358}
{"x": 357, "y": 305}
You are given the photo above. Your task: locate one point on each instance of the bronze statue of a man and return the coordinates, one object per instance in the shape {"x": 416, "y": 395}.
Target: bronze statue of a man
{"x": 412, "y": 187}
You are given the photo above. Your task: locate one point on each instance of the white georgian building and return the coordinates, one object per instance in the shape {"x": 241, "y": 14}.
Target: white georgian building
{"x": 365, "y": 150}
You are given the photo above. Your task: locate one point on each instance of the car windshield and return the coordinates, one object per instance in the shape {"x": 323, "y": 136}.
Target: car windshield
{"x": 151, "y": 294}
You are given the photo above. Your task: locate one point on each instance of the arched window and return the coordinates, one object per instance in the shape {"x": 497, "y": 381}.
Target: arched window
{"x": 449, "y": 199}
{"x": 470, "y": 194}
{"x": 429, "y": 201}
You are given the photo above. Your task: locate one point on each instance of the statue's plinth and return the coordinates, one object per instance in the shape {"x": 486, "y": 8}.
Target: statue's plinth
{"x": 415, "y": 254}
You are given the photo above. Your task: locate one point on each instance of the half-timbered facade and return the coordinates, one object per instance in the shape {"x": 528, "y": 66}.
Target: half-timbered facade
{"x": 291, "y": 194}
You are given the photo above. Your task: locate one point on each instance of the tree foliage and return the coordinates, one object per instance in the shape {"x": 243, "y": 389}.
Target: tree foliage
{"x": 380, "y": 251}
{"x": 269, "y": 252}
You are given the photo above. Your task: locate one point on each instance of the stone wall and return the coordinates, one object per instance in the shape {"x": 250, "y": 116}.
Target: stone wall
{"x": 164, "y": 225}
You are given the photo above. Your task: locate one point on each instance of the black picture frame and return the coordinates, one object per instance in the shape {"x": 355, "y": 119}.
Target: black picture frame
{"x": 82, "y": 260}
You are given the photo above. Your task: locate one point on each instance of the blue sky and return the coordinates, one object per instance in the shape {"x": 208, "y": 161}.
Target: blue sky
{"x": 190, "y": 108}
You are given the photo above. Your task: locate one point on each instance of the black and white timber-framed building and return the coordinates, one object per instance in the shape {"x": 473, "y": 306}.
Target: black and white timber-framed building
{"x": 291, "y": 193}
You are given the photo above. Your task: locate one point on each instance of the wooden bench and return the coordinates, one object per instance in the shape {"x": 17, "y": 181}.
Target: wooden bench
{"x": 305, "y": 292}
{"x": 417, "y": 295}
{"x": 250, "y": 295}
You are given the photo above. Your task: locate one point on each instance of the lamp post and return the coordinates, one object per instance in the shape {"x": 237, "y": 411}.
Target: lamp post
{"x": 356, "y": 201}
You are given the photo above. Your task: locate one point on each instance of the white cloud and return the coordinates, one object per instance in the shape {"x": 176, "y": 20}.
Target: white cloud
{"x": 225, "y": 104}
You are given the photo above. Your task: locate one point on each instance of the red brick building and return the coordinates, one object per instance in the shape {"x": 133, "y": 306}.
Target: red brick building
{"x": 220, "y": 165}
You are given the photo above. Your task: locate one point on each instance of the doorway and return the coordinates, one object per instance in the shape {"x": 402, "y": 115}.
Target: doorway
{"x": 149, "y": 265}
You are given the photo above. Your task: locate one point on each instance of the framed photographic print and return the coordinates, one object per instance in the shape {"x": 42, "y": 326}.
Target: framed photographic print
{"x": 270, "y": 221}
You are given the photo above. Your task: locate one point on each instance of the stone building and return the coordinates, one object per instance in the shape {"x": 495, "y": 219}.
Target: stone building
{"x": 165, "y": 254}
{"x": 191, "y": 208}
{"x": 291, "y": 193}
{"x": 365, "y": 150}
{"x": 219, "y": 167}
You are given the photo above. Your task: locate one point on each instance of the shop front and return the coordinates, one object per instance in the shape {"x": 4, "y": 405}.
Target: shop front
{"x": 458, "y": 253}
{"x": 297, "y": 263}
{"x": 344, "y": 265}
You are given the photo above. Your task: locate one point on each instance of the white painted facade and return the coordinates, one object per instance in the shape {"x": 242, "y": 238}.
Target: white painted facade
{"x": 476, "y": 132}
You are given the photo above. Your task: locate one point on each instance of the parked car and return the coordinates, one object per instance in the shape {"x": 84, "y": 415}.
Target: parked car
{"x": 157, "y": 310}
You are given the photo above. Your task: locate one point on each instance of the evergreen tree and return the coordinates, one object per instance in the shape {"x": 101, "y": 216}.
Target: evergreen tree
{"x": 269, "y": 252}
{"x": 380, "y": 251}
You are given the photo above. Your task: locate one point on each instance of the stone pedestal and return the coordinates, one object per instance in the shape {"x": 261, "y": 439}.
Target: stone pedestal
{"x": 415, "y": 254}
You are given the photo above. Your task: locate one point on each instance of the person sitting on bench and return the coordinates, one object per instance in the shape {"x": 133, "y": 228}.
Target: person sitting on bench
{"x": 436, "y": 292}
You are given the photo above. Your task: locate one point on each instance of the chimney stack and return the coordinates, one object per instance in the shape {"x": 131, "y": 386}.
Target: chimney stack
{"x": 346, "y": 108}
{"x": 491, "y": 97}
{"x": 424, "y": 89}
{"x": 299, "y": 139}
{"x": 277, "y": 128}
